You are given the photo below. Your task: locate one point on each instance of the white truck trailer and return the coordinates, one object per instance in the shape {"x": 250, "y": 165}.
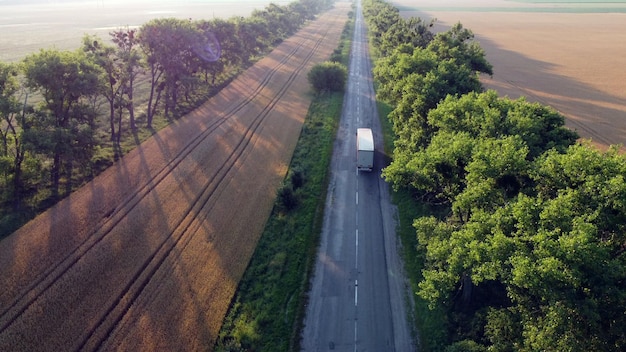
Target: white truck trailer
{"x": 364, "y": 149}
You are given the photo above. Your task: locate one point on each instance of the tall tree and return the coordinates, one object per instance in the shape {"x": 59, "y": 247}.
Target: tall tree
{"x": 556, "y": 253}
{"x": 12, "y": 150}
{"x": 415, "y": 79}
{"x": 65, "y": 79}
{"x": 413, "y": 31}
{"x": 253, "y": 32}
{"x": 168, "y": 45}
{"x": 128, "y": 53}
{"x": 223, "y": 34}
{"x": 112, "y": 82}
{"x": 434, "y": 167}
{"x": 458, "y": 43}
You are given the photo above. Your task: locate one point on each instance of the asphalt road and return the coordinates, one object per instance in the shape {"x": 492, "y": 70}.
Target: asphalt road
{"x": 358, "y": 296}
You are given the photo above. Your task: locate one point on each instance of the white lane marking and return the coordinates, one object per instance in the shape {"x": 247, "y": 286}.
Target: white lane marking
{"x": 356, "y": 256}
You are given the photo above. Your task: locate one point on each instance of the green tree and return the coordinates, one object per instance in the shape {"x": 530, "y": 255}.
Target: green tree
{"x": 253, "y": 33}
{"x": 12, "y": 152}
{"x": 488, "y": 115}
{"x": 65, "y": 80}
{"x": 131, "y": 66}
{"x": 225, "y": 32}
{"x": 437, "y": 172}
{"x": 498, "y": 171}
{"x": 112, "y": 86}
{"x": 413, "y": 31}
{"x": 400, "y": 70}
{"x": 168, "y": 45}
{"x": 557, "y": 253}
{"x": 458, "y": 43}
{"x": 328, "y": 76}
{"x": 415, "y": 83}
{"x": 380, "y": 16}
{"x": 283, "y": 20}
{"x": 423, "y": 159}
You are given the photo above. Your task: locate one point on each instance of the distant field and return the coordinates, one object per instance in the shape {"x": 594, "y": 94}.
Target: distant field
{"x": 528, "y": 6}
{"x": 29, "y": 26}
{"x": 566, "y": 54}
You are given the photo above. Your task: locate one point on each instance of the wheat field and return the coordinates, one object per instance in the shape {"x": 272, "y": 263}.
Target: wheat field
{"x": 147, "y": 256}
{"x": 565, "y": 54}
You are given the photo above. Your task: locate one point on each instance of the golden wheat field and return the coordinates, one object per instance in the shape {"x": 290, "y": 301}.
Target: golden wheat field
{"x": 147, "y": 256}
{"x": 566, "y": 54}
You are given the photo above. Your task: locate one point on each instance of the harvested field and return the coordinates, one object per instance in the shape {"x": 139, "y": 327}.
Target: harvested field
{"x": 148, "y": 255}
{"x": 28, "y": 26}
{"x": 567, "y": 55}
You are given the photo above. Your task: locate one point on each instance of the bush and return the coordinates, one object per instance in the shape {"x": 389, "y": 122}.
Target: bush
{"x": 297, "y": 179}
{"x": 287, "y": 198}
{"x": 328, "y": 76}
{"x": 466, "y": 346}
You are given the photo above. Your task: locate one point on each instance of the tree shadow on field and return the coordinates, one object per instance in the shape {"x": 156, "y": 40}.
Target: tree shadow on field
{"x": 593, "y": 114}
{"x": 148, "y": 255}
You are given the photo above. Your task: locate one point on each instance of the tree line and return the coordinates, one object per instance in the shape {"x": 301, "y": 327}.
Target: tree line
{"x": 60, "y": 110}
{"x": 530, "y": 252}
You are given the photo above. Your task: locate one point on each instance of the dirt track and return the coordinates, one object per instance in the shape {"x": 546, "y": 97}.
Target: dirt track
{"x": 148, "y": 255}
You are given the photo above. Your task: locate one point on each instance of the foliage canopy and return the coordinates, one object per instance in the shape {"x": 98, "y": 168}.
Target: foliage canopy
{"x": 532, "y": 253}
{"x": 88, "y": 101}
{"x": 328, "y": 76}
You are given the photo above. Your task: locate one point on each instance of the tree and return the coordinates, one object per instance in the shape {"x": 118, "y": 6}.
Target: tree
{"x": 400, "y": 70}
{"x": 380, "y": 16}
{"x": 414, "y": 82}
{"x": 12, "y": 152}
{"x": 422, "y": 158}
{"x": 328, "y": 76}
{"x": 437, "y": 172}
{"x": 488, "y": 115}
{"x": 131, "y": 66}
{"x": 112, "y": 86}
{"x": 413, "y": 31}
{"x": 556, "y": 252}
{"x": 225, "y": 32}
{"x": 253, "y": 33}
{"x": 498, "y": 172}
{"x": 458, "y": 43}
{"x": 65, "y": 79}
{"x": 168, "y": 47}
{"x": 282, "y": 19}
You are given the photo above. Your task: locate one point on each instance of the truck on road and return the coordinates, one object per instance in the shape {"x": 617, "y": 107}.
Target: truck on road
{"x": 364, "y": 149}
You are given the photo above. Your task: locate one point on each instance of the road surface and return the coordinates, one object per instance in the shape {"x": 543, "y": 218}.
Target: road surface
{"x": 358, "y": 295}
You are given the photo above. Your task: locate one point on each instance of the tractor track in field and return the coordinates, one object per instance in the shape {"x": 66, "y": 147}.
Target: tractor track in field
{"x": 184, "y": 230}
{"x": 164, "y": 250}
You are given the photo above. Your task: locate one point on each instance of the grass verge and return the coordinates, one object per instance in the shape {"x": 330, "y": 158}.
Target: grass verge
{"x": 268, "y": 309}
{"x": 271, "y": 296}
